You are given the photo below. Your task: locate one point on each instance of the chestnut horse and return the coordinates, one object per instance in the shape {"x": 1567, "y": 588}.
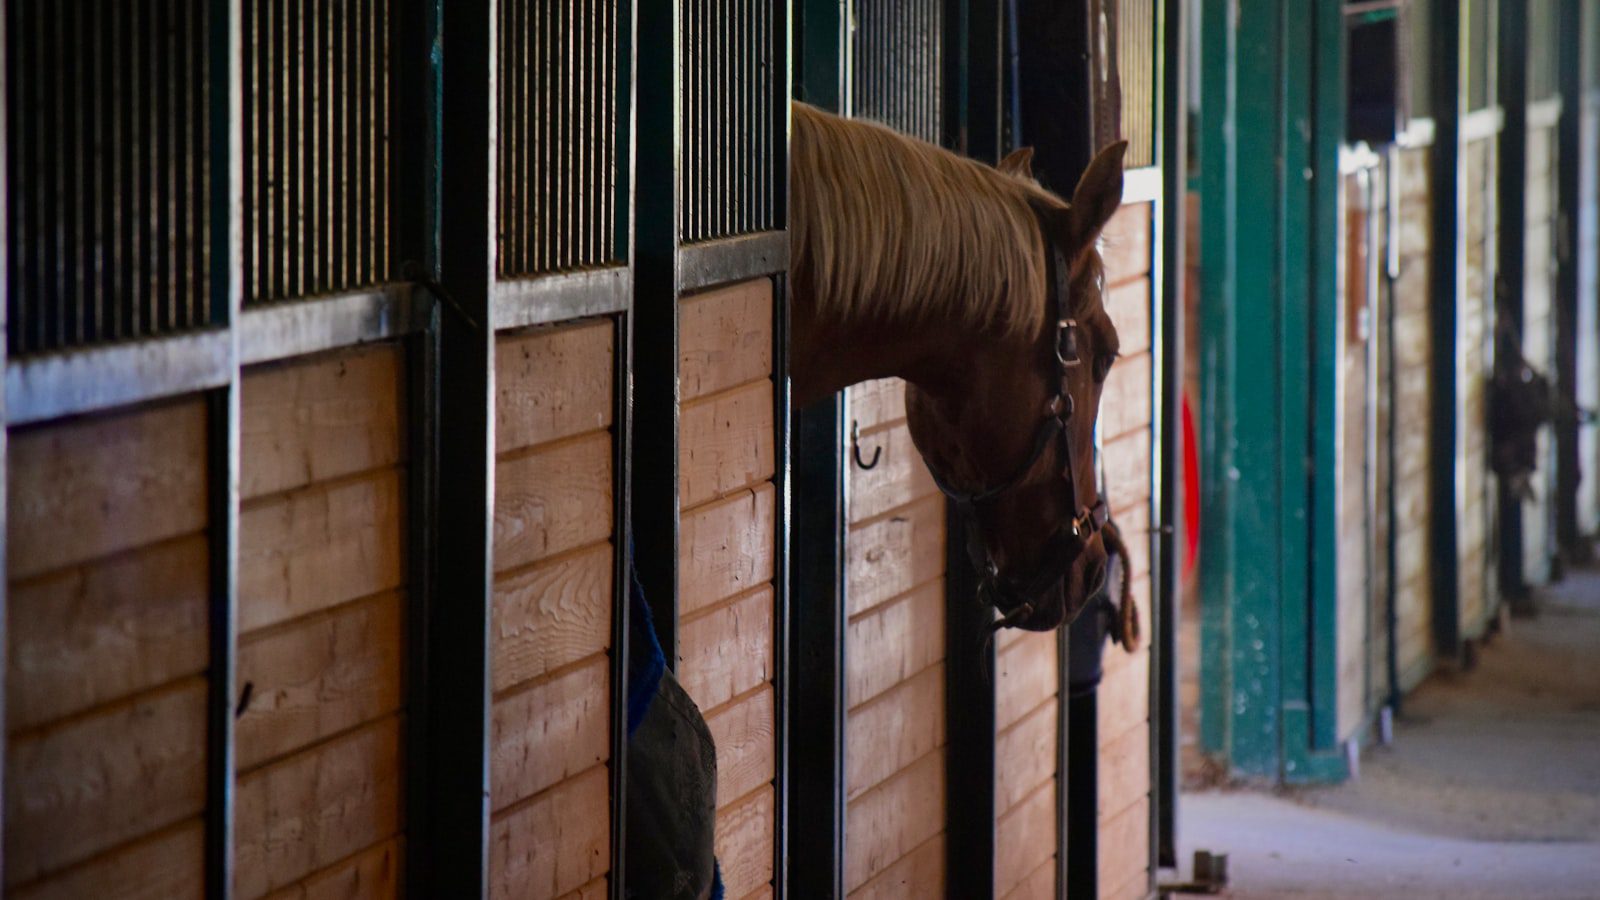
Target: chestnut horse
{"x": 983, "y": 291}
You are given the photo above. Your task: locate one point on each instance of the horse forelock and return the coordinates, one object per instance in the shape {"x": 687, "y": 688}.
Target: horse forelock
{"x": 892, "y": 229}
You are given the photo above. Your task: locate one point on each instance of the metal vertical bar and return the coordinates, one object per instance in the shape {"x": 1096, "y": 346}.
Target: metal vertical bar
{"x": 1569, "y": 246}
{"x": 6, "y": 224}
{"x": 1448, "y": 189}
{"x": 659, "y": 89}
{"x": 226, "y": 287}
{"x": 970, "y": 660}
{"x": 773, "y": 103}
{"x": 1511, "y": 278}
{"x": 817, "y": 667}
{"x": 619, "y": 108}
{"x": 1172, "y": 154}
{"x": 456, "y": 830}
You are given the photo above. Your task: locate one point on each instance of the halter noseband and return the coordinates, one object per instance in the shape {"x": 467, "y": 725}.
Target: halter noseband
{"x": 1069, "y": 539}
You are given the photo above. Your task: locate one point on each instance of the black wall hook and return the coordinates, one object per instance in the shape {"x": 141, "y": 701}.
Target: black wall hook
{"x": 855, "y": 448}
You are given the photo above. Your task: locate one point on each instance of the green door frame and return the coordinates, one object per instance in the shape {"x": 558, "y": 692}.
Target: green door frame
{"x": 1273, "y": 102}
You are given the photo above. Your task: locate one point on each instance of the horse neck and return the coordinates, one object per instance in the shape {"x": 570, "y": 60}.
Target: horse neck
{"x": 830, "y": 354}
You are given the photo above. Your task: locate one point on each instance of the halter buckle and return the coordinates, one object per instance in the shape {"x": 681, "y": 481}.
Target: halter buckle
{"x": 1067, "y": 343}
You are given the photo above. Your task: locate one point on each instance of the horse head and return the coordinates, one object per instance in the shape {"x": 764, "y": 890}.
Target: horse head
{"x": 1014, "y": 445}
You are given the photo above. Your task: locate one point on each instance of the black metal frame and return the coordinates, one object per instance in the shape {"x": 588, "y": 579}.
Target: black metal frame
{"x": 1171, "y": 153}
{"x": 1511, "y": 269}
{"x": 1569, "y": 236}
{"x": 1447, "y": 184}
{"x": 818, "y": 621}
{"x": 974, "y": 125}
{"x": 443, "y": 224}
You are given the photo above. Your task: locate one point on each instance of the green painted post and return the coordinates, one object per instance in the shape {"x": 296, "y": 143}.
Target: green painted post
{"x": 1273, "y": 120}
{"x": 1218, "y": 172}
{"x": 1312, "y": 745}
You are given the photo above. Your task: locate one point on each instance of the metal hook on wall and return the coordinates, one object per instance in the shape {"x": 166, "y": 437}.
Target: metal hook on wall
{"x": 855, "y": 448}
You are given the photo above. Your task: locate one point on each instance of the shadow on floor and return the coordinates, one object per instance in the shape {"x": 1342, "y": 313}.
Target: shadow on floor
{"x": 1491, "y": 788}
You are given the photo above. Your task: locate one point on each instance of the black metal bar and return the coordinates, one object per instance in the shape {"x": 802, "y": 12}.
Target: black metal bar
{"x": 455, "y": 832}
{"x": 1172, "y": 150}
{"x": 783, "y": 609}
{"x": 1446, "y": 189}
{"x": 818, "y": 664}
{"x": 969, "y": 725}
{"x": 6, "y": 214}
{"x": 622, "y": 580}
{"x": 222, "y": 446}
{"x": 655, "y": 383}
{"x": 817, "y": 618}
{"x": 1083, "y": 791}
{"x": 1569, "y": 237}
{"x": 422, "y": 542}
{"x": 1511, "y": 274}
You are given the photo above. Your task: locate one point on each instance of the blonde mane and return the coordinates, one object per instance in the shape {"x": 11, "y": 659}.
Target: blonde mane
{"x": 889, "y": 228}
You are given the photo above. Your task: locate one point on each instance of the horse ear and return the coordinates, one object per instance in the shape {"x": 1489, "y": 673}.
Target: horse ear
{"x": 1018, "y": 162}
{"x": 1098, "y": 194}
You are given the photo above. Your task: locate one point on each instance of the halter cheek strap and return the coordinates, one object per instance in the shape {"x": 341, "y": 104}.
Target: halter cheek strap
{"x": 1070, "y": 539}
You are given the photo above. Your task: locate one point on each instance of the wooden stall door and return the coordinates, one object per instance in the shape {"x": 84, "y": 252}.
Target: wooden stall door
{"x": 1475, "y": 504}
{"x": 322, "y": 605}
{"x": 1539, "y": 338}
{"x": 106, "y": 691}
{"x": 551, "y": 620}
{"x": 1411, "y": 443}
{"x": 894, "y": 658}
{"x": 1355, "y": 569}
{"x": 727, "y": 556}
{"x": 1126, "y": 431}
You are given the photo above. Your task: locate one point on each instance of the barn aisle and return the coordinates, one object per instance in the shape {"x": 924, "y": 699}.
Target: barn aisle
{"x": 1491, "y": 789}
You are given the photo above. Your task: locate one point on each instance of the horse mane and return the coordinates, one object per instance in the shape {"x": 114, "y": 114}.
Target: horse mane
{"x": 890, "y": 228}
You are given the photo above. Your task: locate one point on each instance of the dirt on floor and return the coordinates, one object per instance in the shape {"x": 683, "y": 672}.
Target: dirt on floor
{"x": 1490, "y": 789}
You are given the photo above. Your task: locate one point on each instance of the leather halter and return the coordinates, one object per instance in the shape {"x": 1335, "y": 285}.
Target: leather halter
{"x": 1016, "y": 598}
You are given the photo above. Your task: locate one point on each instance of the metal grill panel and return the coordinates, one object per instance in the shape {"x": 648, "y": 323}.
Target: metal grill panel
{"x": 1544, "y": 50}
{"x": 316, "y": 147}
{"x": 1419, "y": 57}
{"x": 897, "y": 66}
{"x": 558, "y": 143}
{"x": 1136, "y": 66}
{"x": 107, "y": 157}
{"x": 1479, "y": 60}
{"x": 732, "y": 117}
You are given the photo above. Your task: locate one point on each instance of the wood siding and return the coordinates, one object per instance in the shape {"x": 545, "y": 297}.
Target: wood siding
{"x": 105, "y": 687}
{"x": 1412, "y": 414}
{"x": 1475, "y": 317}
{"x": 1126, "y": 432}
{"x": 1540, "y": 268}
{"x": 550, "y": 631}
{"x": 321, "y": 623}
{"x": 894, "y": 658}
{"x": 727, "y": 556}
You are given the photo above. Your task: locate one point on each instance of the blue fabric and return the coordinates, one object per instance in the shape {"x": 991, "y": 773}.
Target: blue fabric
{"x": 716, "y": 880}
{"x": 646, "y": 662}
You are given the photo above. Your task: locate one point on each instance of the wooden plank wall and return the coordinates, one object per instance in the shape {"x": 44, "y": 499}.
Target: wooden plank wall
{"x": 894, "y": 656}
{"x": 105, "y": 681}
{"x": 321, "y": 625}
{"x": 1027, "y": 726}
{"x": 1413, "y": 412}
{"x": 550, "y": 634}
{"x": 726, "y": 563}
{"x": 1475, "y": 508}
{"x": 1539, "y": 339}
{"x": 1587, "y": 207}
{"x": 1354, "y": 625}
{"x": 1126, "y": 431}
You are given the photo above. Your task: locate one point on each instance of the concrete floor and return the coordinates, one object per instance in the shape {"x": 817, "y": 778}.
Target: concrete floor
{"x": 1491, "y": 788}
